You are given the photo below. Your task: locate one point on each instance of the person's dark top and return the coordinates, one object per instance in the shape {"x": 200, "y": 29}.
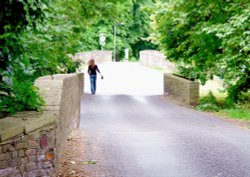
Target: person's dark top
{"x": 92, "y": 70}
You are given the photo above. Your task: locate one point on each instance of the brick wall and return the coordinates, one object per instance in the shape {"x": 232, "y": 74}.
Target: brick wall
{"x": 21, "y": 154}
{"x": 30, "y": 142}
{"x": 181, "y": 89}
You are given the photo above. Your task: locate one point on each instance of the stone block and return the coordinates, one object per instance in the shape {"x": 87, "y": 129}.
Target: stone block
{"x": 24, "y": 160}
{"x": 30, "y": 167}
{"x": 7, "y": 155}
{"x": 13, "y": 162}
{"x": 39, "y": 166}
{"x": 22, "y": 145}
{"x": 31, "y": 137}
{"x": 39, "y": 121}
{"x": 21, "y": 153}
{"x": 32, "y": 158}
{"x": 30, "y": 152}
{"x": 10, "y": 127}
{"x": 2, "y": 157}
{"x": 15, "y": 140}
{"x": 8, "y": 148}
{"x": 3, "y": 164}
{"x": 14, "y": 154}
{"x": 32, "y": 144}
{"x": 21, "y": 168}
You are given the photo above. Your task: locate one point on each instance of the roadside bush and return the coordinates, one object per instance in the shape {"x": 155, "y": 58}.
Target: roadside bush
{"x": 206, "y": 38}
{"x": 209, "y": 103}
{"x": 208, "y": 107}
{"x": 23, "y": 95}
{"x": 244, "y": 97}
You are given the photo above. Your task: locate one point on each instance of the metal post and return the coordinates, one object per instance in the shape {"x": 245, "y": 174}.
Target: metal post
{"x": 114, "y": 42}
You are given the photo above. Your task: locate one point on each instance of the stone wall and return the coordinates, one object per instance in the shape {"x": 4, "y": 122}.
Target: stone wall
{"x": 31, "y": 142}
{"x": 153, "y": 58}
{"x": 21, "y": 154}
{"x": 98, "y": 55}
{"x": 181, "y": 89}
{"x": 62, "y": 95}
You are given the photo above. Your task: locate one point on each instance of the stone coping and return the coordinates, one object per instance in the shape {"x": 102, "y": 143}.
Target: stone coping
{"x": 24, "y": 122}
{"x": 181, "y": 89}
{"x": 179, "y": 78}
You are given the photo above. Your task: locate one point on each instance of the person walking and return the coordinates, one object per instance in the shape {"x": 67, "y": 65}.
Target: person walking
{"x": 92, "y": 70}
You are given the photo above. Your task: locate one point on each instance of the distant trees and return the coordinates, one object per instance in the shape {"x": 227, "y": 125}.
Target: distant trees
{"x": 36, "y": 37}
{"x": 132, "y": 20}
{"x": 207, "y": 38}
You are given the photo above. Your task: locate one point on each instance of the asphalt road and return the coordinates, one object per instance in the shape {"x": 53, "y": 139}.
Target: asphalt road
{"x": 141, "y": 134}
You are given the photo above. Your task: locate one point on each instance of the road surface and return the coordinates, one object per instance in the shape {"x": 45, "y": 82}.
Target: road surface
{"x": 130, "y": 130}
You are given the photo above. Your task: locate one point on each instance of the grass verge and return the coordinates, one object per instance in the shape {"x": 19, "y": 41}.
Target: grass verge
{"x": 238, "y": 113}
{"x": 216, "y": 104}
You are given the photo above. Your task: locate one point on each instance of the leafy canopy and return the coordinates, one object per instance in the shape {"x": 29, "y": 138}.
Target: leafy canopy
{"x": 206, "y": 38}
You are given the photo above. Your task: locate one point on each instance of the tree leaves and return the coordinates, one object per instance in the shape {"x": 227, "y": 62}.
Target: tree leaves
{"x": 206, "y": 37}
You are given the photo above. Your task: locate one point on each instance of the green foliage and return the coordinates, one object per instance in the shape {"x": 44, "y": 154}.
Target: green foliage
{"x": 23, "y": 95}
{"x": 132, "y": 21}
{"x": 238, "y": 113}
{"x": 210, "y": 98}
{"x": 245, "y": 97}
{"x": 38, "y": 36}
{"x": 208, "y": 107}
{"x": 186, "y": 72}
{"x": 207, "y": 38}
{"x": 208, "y": 103}
{"x": 16, "y": 71}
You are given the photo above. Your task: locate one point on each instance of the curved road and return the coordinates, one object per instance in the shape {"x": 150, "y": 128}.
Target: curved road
{"x": 132, "y": 131}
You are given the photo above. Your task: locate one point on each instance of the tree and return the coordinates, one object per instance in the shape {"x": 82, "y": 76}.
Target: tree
{"x": 36, "y": 37}
{"x": 135, "y": 27}
{"x": 202, "y": 38}
{"x": 15, "y": 17}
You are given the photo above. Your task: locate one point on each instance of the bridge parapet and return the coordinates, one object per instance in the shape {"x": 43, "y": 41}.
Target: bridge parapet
{"x": 154, "y": 58}
{"x": 98, "y": 55}
{"x": 181, "y": 89}
{"x": 31, "y": 142}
